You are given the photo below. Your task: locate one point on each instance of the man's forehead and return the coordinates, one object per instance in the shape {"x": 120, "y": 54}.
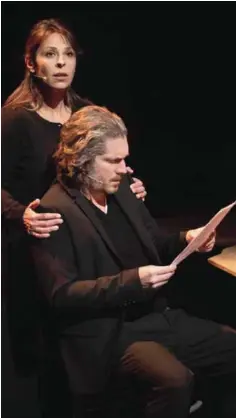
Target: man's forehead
{"x": 116, "y": 146}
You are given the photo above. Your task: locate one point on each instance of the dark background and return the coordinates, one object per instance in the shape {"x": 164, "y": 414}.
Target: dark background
{"x": 168, "y": 68}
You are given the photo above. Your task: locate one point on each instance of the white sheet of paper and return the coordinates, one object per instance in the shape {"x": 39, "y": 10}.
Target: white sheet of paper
{"x": 204, "y": 234}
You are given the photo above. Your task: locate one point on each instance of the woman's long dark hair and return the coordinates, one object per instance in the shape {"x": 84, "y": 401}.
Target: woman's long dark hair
{"x": 28, "y": 94}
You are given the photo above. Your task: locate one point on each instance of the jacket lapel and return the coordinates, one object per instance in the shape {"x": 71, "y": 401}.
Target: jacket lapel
{"x": 86, "y": 208}
{"x": 129, "y": 207}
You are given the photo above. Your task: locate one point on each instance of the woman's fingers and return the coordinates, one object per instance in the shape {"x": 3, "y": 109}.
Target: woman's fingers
{"x": 40, "y": 235}
{"x": 142, "y": 195}
{"x": 45, "y": 223}
{"x": 40, "y": 225}
{"x": 44, "y": 230}
{"x": 138, "y": 188}
{"x": 46, "y": 216}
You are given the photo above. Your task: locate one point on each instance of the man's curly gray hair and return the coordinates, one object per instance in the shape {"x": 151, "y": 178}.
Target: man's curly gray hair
{"x": 83, "y": 137}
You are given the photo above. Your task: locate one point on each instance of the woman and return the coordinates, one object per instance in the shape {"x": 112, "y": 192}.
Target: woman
{"x": 31, "y": 121}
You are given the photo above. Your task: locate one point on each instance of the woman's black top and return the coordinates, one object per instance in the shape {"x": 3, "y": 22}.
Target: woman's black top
{"x": 28, "y": 167}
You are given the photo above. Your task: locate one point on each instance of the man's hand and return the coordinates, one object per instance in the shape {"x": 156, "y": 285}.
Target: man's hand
{"x": 155, "y": 276}
{"x": 208, "y": 245}
{"x": 40, "y": 225}
{"x": 137, "y": 187}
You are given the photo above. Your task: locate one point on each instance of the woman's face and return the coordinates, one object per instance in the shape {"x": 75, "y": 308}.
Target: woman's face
{"x": 56, "y": 62}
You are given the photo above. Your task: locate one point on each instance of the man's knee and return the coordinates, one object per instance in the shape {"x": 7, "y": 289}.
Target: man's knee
{"x": 180, "y": 378}
{"x": 153, "y": 362}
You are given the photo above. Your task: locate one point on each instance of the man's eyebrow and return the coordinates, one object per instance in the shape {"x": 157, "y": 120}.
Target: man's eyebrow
{"x": 118, "y": 157}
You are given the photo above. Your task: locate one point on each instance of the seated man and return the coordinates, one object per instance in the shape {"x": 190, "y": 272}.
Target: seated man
{"x": 104, "y": 273}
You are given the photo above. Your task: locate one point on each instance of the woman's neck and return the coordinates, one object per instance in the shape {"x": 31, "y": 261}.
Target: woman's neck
{"x": 53, "y": 108}
{"x": 53, "y": 97}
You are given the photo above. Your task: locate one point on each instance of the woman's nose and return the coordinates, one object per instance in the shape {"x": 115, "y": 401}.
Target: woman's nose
{"x": 60, "y": 62}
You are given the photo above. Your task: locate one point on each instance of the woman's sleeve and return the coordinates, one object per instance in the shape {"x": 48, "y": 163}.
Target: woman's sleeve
{"x": 12, "y": 144}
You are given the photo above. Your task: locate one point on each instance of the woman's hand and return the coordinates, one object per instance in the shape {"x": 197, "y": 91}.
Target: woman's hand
{"x": 40, "y": 225}
{"x": 137, "y": 187}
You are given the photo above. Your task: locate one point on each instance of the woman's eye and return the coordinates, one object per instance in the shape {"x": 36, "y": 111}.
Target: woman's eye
{"x": 49, "y": 54}
{"x": 70, "y": 54}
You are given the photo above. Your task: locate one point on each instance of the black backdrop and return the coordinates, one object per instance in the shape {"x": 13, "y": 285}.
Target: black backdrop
{"x": 168, "y": 69}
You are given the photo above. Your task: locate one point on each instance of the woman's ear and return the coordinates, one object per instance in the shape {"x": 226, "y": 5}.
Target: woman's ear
{"x": 29, "y": 64}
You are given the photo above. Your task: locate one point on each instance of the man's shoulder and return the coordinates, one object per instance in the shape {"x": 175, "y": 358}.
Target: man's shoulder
{"x": 125, "y": 193}
{"x": 129, "y": 200}
{"x": 55, "y": 198}
{"x": 125, "y": 185}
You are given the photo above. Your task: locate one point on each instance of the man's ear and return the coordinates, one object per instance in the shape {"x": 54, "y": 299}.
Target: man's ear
{"x": 29, "y": 64}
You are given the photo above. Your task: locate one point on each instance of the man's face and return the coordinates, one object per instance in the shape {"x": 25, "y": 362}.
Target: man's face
{"x": 109, "y": 168}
